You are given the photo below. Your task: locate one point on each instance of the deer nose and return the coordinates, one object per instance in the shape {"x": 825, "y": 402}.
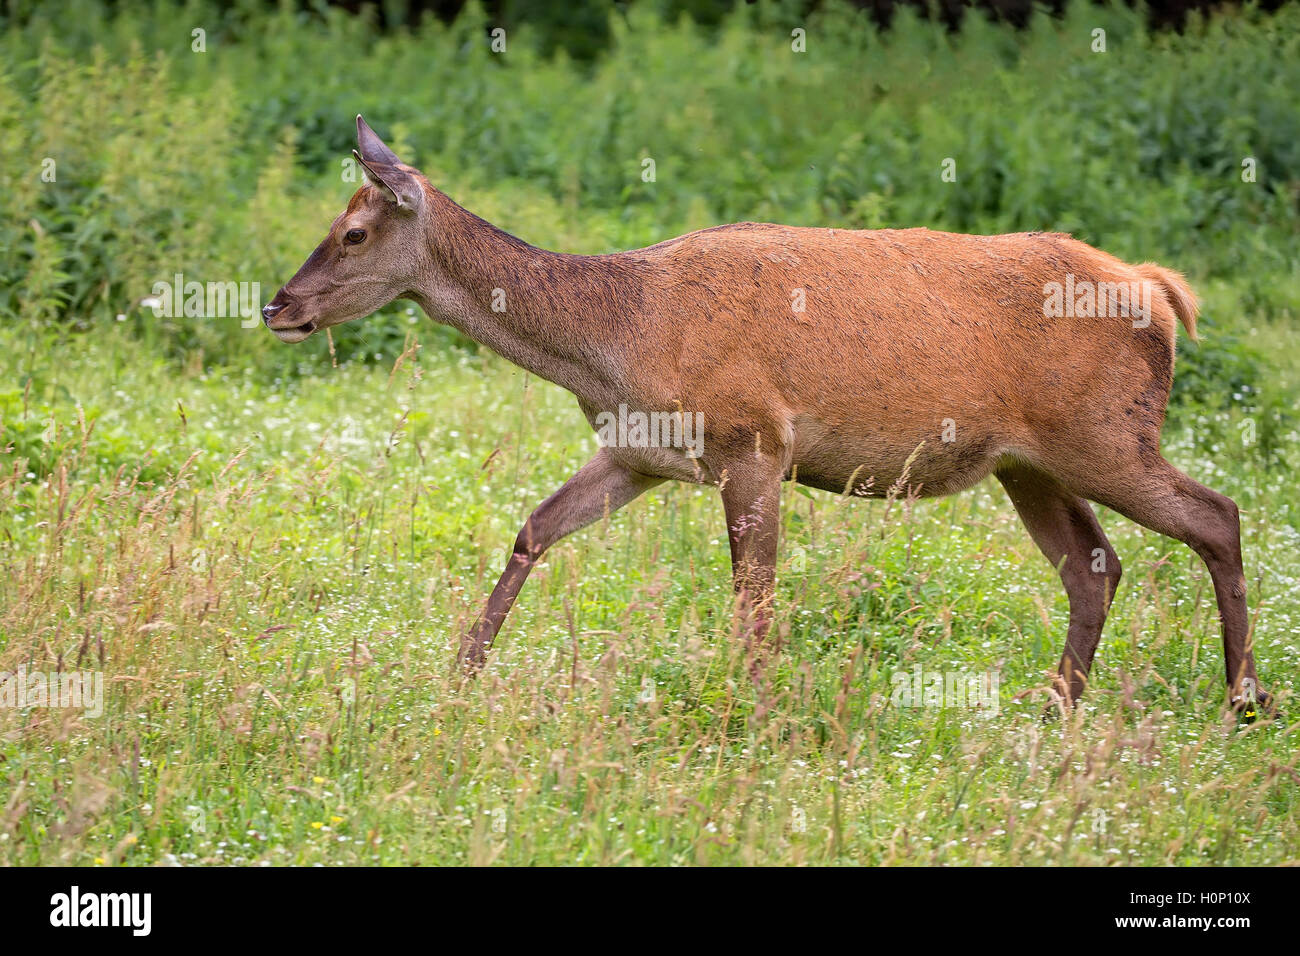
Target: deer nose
{"x": 269, "y": 311}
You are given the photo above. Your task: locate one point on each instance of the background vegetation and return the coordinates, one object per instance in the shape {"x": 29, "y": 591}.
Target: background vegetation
{"x": 271, "y": 551}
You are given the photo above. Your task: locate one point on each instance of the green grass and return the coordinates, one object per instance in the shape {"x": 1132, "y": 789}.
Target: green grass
{"x": 274, "y": 586}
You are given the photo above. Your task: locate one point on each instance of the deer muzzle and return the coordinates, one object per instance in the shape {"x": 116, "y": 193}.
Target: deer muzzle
{"x": 282, "y": 316}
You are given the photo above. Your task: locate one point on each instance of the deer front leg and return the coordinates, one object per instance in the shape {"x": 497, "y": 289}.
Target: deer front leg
{"x": 600, "y": 487}
{"x": 751, "y": 498}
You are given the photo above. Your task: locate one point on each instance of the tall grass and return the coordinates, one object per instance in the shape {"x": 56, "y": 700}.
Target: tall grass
{"x": 273, "y": 580}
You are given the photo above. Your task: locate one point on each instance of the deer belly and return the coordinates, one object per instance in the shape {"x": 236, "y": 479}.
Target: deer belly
{"x": 873, "y": 462}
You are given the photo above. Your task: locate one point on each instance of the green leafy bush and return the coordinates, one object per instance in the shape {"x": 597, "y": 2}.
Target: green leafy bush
{"x": 225, "y": 164}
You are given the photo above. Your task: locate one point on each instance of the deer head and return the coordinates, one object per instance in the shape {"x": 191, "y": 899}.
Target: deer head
{"x": 373, "y": 254}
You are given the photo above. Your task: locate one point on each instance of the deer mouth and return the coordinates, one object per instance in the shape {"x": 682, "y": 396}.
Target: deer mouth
{"x": 295, "y": 333}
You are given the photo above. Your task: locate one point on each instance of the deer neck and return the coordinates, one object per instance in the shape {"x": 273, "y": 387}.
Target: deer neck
{"x": 563, "y": 317}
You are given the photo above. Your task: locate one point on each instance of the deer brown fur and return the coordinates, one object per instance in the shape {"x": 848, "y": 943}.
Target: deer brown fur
{"x": 921, "y": 362}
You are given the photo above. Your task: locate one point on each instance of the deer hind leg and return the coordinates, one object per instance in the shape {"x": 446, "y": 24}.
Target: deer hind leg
{"x": 1160, "y": 497}
{"x": 1067, "y": 532}
{"x": 600, "y": 487}
{"x": 751, "y": 498}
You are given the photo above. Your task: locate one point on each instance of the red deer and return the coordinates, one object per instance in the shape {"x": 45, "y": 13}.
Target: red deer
{"x": 850, "y": 361}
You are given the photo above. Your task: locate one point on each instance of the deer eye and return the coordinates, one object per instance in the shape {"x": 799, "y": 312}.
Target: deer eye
{"x": 353, "y": 236}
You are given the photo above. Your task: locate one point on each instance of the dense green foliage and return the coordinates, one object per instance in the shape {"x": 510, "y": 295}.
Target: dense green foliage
{"x": 226, "y": 163}
{"x": 271, "y": 551}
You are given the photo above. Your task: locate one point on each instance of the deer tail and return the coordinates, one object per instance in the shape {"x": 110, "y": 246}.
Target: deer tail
{"x": 1177, "y": 292}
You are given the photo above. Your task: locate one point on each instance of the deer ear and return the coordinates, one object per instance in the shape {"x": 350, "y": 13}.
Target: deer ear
{"x": 397, "y": 185}
{"x": 372, "y": 147}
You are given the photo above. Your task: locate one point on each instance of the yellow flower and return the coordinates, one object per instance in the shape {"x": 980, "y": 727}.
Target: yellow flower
{"x": 437, "y": 731}
{"x": 316, "y": 824}
{"x": 99, "y": 861}
{"x": 132, "y": 839}
{"x": 336, "y": 820}
{"x": 317, "y": 779}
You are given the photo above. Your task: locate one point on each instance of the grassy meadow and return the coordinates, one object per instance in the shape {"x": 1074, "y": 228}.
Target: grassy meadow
{"x": 269, "y": 553}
